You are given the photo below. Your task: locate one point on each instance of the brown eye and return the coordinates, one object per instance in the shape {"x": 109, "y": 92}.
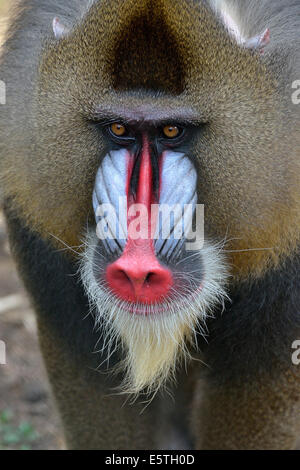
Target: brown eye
{"x": 118, "y": 129}
{"x": 171, "y": 132}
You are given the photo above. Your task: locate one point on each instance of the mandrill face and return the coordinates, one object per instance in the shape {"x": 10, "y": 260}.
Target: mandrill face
{"x": 147, "y": 272}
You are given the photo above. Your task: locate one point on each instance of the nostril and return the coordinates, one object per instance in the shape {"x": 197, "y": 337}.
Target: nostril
{"x": 120, "y": 275}
{"x": 149, "y": 278}
{"x": 123, "y": 275}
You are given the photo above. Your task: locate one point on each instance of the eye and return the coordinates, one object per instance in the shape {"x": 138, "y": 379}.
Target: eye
{"x": 118, "y": 129}
{"x": 171, "y": 132}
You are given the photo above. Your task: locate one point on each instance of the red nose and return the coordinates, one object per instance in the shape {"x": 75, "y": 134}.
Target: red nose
{"x": 139, "y": 278}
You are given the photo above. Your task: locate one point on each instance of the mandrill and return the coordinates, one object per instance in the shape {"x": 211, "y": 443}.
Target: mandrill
{"x": 150, "y": 178}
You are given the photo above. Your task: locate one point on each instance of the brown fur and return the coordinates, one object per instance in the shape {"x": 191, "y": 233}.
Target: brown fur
{"x": 259, "y": 411}
{"x": 174, "y": 53}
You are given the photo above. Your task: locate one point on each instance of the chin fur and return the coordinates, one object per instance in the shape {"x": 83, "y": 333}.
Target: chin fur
{"x": 156, "y": 337}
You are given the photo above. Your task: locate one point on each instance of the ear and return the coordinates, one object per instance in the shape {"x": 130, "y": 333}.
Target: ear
{"x": 257, "y": 42}
{"x": 59, "y": 29}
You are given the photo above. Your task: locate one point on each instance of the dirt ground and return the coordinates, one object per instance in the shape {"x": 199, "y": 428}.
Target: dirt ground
{"x": 28, "y": 419}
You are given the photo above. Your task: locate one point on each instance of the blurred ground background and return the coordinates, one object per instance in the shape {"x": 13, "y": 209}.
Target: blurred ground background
{"x": 28, "y": 419}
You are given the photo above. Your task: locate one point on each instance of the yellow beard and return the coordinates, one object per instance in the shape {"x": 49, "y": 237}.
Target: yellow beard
{"x": 152, "y": 352}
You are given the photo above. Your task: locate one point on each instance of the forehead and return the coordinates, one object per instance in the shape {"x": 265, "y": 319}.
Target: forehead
{"x": 127, "y": 60}
{"x": 161, "y": 46}
{"x": 146, "y": 109}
